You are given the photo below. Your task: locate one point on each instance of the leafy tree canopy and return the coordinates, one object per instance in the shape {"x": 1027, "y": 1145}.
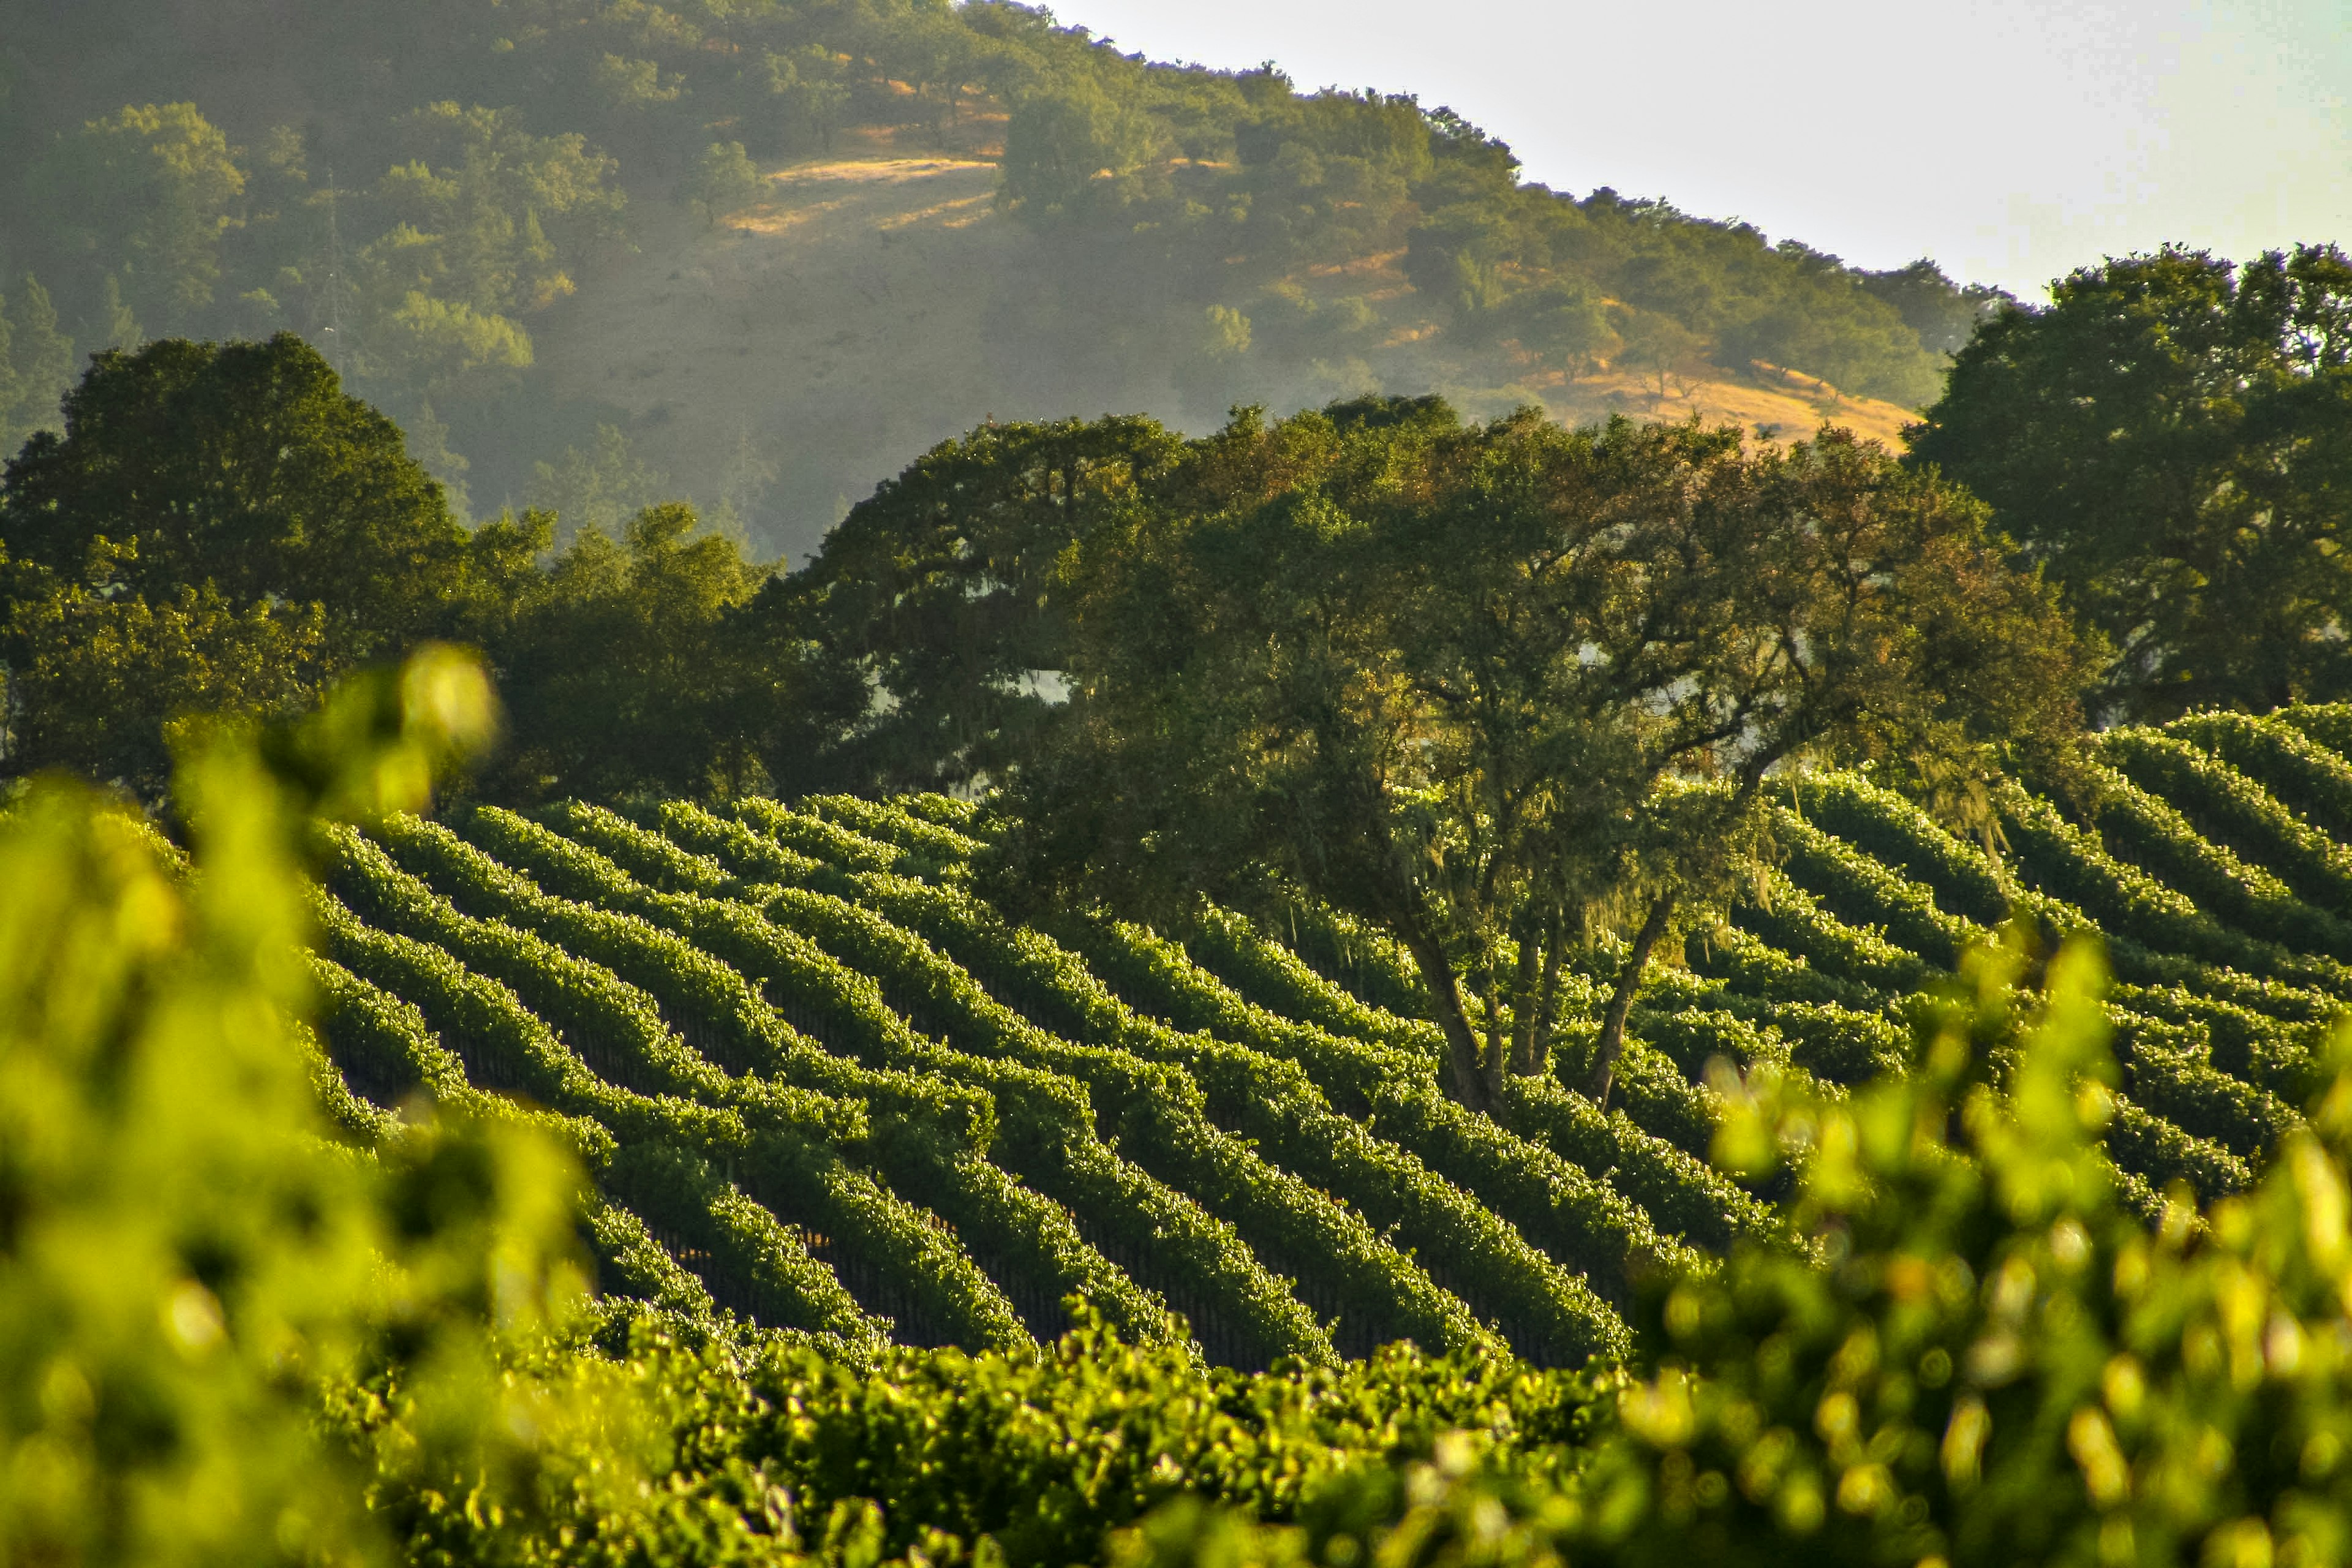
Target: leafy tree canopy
{"x": 634, "y": 667}
{"x": 218, "y": 527}
{"x": 2171, "y": 441}
{"x": 223, "y": 529}
{"x": 1477, "y": 683}
{"x": 938, "y": 592}
{"x": 248, "y": 467}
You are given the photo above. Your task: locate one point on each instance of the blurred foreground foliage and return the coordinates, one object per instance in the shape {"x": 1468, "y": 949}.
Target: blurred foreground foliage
{"x": 246, "y": 1317}
{"x": 230, "y": 1331}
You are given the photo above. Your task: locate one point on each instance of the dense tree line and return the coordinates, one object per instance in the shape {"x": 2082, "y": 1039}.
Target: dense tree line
{"x": 224, "y": 528}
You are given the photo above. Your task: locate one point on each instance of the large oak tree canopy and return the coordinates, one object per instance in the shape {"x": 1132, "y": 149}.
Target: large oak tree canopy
{"x": 219, "y": 527}
{"x": 936, "y": 593}
{"x": 1476, "y": 682}
{"x": 245, "y": 465}
{"x": 2171, "y": 441}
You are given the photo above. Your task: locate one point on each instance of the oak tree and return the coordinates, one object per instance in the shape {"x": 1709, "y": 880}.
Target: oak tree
{"x": 1476, "y": 684}
{"x": 219, "y": 526}
{"x": 937, "y": 594}
{"x": 2171, "y": 442}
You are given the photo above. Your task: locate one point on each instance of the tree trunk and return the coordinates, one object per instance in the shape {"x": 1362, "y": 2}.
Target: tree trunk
{"x": 1525, "y": 1008}
{"x": 1546, "y": 1011}
{"x": 1461, "y": 1042}
{"x": 1491, "y": 1063}
{"x": 1611, "y": 1044}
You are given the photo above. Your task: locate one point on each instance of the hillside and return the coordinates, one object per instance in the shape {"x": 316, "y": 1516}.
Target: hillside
{"x": 827, "y": 1089}
{"x": 857, "y": 312}
{"x": 495, "y": 220}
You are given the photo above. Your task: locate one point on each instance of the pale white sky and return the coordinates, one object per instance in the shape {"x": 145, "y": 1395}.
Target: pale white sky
{"x": 2010, "y": 140}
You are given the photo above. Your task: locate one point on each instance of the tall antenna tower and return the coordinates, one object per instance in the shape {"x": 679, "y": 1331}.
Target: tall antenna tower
{"x": 336, "y": 355}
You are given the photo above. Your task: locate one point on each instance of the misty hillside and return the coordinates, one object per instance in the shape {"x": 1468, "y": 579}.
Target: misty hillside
{"x": 595, "y": 252}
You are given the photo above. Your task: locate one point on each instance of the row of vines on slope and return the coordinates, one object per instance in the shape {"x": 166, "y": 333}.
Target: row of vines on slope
{"x": 828, "y": 1091}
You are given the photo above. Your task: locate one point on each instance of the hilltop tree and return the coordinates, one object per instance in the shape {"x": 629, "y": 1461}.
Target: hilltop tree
{"x": 36, "y": 365}
{"x": 725, "y": 180}
{"x": 1473, "y": 684}
{"x": 146, "y": 195}
{"x": 807, "y": 98}
{"x": 2171, "y": 442}
{"x": 1079, "y": 145}
{"x": 1945, "y": 315}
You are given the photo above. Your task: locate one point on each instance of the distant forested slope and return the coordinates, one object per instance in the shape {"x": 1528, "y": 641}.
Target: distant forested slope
{"x": 592, "y": 252}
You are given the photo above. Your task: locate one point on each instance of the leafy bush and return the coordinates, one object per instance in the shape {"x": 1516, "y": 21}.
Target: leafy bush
{"x": 225, "y": 1331}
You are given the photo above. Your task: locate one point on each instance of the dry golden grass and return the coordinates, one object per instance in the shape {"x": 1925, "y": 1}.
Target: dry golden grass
{"x": 1789, "y": 410}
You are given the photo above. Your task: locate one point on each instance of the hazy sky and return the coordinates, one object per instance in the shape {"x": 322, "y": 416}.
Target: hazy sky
{"x": 2010, "y": 140}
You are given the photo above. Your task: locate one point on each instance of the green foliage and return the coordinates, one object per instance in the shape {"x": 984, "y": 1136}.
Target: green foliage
{"x": 1989, "y": 1360}
{"x": 631, "y": 669}
{"x": 831, "y": 1097}
{"x": 146, "y": 195}
{"x": 224, "y": 530}
{"x": 1048, "y": 1133}
{"x": 219, "y": 528}
{"x": 936, "y": 593}
{"x": 860, "y": 915}
{"x": 37, "y": 363}
{"x": 2166, "y": 441}
{"x": 1456, "y": 680}
{"x": 725, "y": 179}
{"x": 100, "y": 683}
{"x": 599, "y": 487}
{"x": 476, "y": 223}
{"x": 197, "y": 1284}
{"x": 1077, "y": 149}
{"x": 788, "y": 1234}
{"x": 246, "y": 466}
{"x": 1998, "y": 1362}
{"x": 809, "y": 101}
{"x": 1043, "y": 1459}
{"x": 2307, "y": 777}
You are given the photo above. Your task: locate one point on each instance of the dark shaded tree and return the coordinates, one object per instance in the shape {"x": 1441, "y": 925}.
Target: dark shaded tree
{"x": 246, "y": 466}
{"x": 1476, "y": 683}
{"x": 936, "y": 598}
{"x": 635, "y": 667}
{"x": 219, "y": 527}
{"x": 2171, "y": 441}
